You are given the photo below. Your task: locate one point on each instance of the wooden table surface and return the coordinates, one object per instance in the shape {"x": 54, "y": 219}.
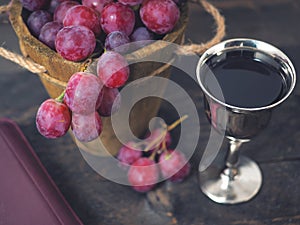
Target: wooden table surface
{"x": 99, "y": 201}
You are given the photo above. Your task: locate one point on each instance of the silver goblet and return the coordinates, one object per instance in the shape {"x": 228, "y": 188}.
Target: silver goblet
{"x": 242, "y": 81}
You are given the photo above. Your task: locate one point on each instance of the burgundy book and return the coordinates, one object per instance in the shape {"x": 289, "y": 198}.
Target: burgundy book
{"x": 28, "y": 196}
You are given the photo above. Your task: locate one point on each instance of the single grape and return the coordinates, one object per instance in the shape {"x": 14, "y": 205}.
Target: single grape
{"x": 34, "y": 5}
{"x": 61, "y": 10}
{"x": 141, "y": 37}
{"x": 53, "y": 119}
{"x": 84, "y": 16}
{"x": 143, "y": 174}
{"x": 96, "y": 4}
{"x": 128, "y": 154}
{"x": 86, "y": 128}
{"x": 172, "y": 164}
{"x": 159, "y": 16}
{"x": 37, "y": 20}
{"x": 117, "y": 17}
{"x": 181, "y": 174}
{"x": 113, "y": 69}
{"x": 155, "y": 134}
{"x": 82, "y": 93}
{"x": 111, "y": 101}
{"x": 48, "y": 33}
{"x": 75, "y": 43}
{"x": 53, "y": 5}
{"x": 117, "y": 41}
{"x": 131, "y": 2}
{"x": 100, "y": 96}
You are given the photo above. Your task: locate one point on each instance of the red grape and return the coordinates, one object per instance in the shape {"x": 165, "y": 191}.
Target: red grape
{"x": 131, "y": 2}
{"x": 159, "y": 16}
{"x": 117, "y": 17}
{"x": 75, "y": 43}
{"x": 111, "y": 101}
{"x": 61, "y": 10}
{"x": 85, "y": 16}
{"x": 113, "y": 69}
{"x": 181, "y": 174}
{"x": 86, "y": 127}
{"x": 155, "y": 135}
{"x": 128, "y": 154}
{"x": 172, "y": 164}
{"x": 48, "y": 33}
{"x": 33, "y": 5}
{"x": 53, "y": 119}
{"x": 96, "y": 4}
{"x": 100, "y": 96}
{"x": 82, "y": 93}
{"x": 143, "y": 174}
{"x": 37, "y": 20}
{"x": 117, "y": 41}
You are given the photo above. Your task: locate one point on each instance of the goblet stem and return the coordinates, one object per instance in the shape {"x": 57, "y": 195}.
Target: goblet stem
{"x": 232, "y": 159}
{"x": 238, "y": 182}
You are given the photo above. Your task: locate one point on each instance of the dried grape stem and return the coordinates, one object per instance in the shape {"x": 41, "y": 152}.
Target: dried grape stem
{"x": 155, "y": 142}
{"x": 177, "y": 122}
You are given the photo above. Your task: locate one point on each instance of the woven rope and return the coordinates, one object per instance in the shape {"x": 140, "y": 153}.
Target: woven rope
{"x": 185, "y": 50}
{"x": 30, "y": 65}
{"x": 22, "y": 61}
{"x": 4, "y": 8}
{"x": 220, "y": 31}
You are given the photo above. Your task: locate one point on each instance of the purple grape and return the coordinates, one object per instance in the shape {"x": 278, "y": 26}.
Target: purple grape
{"x": 86, "y": 127}
{"x": 75, "y": 43}
{"x": 111, "y": 101}
{"x": 96, "y": 4}
{"x": 37, "y": 20}
{"x": 117, "y": 41}
{"x": 34, "y": 5}
{"x": 84, "y": 16}
{"x": 48, "y": 33}
{"x": 61, "y": 10}
{"x": 54, "y": 4}
{"x": 140, "y": 36}
{"x": 82, "y": 93}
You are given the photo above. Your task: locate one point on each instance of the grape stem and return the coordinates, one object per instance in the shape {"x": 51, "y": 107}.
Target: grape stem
{"x": 177, "y": 122}
{"x": 61, "y": 97}
{"x": 156, "y": 142}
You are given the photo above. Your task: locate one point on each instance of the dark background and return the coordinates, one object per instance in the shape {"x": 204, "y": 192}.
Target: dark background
{"x": 99, "y": 201}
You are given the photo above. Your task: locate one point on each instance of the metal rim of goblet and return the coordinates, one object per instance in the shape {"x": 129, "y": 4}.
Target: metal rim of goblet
{"x": 247, "y": 43}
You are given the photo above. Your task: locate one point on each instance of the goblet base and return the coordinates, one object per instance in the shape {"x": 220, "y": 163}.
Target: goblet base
{"x": 232, "y": 186}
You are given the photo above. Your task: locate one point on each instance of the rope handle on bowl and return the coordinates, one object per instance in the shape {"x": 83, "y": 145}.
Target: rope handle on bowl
{"x": 185, "y": 50}
{"x": 220, "y": 30}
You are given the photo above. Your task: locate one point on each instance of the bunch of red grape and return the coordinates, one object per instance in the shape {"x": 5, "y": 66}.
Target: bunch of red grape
{"x": 73, "y": 28}
{"x": 148, "y": 160}
{"x": 88, "y": 97}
